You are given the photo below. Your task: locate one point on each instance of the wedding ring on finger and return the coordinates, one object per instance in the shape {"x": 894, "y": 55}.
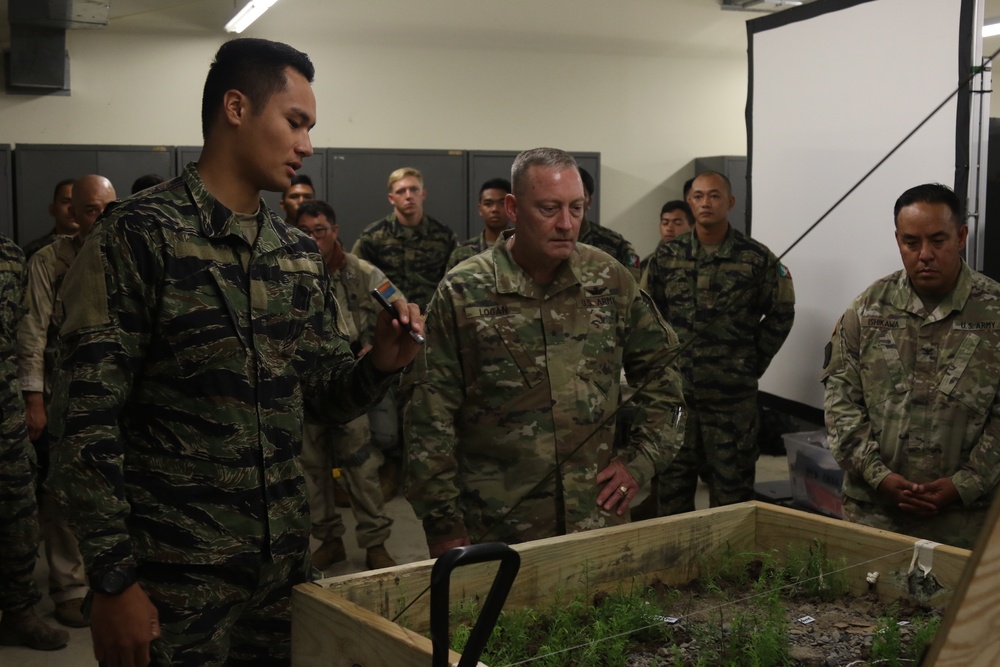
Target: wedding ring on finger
{"x": 623, "y": 490}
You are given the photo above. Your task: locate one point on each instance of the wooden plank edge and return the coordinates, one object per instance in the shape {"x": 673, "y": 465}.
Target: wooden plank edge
{"x": 330, "y": 631}
{"x": 969, "y": 634}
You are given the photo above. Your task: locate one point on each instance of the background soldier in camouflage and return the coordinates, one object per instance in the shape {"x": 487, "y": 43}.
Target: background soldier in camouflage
{"x": 603, "y": 238}
{"x": 61, "y": 210}
{"x": 494, "y": 215}
{"x": 729, "y": 298}
{"x": 912, "y": 378}
{"x": 505, "y": 430}
{"x": 301, "y": 190}
{"x": 37, "y": 342}
{"x": 198, "y": 329}
{"x": 676, "y": 218}
{"x": 19, "y": 594}
{"x": 410, "y": 247}
{"x": 348, "y": 446}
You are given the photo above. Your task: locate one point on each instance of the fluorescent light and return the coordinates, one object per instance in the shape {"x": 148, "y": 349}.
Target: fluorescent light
{"x": 992, "y": 29}
{"x": 250, "y": 13}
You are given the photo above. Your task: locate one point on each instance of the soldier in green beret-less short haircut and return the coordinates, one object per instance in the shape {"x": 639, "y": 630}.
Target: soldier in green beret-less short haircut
{"x": 731, "y": 303}
{"x": 912, "y": 377}
{"x": 507, "y": 424}
{"x": 409, "y": 246}
{"x": 199, "y": 332}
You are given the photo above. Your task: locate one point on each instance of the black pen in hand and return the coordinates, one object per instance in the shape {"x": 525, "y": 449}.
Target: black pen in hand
{"x": 378, "y": 295}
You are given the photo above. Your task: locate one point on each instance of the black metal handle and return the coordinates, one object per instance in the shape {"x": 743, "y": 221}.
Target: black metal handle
{"x": 510, "y": 562}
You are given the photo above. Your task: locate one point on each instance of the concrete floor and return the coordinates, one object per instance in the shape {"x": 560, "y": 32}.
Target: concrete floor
{"x": 406, "y": 545}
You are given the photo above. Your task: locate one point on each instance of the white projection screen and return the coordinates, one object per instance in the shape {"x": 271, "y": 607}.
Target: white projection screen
{"x": 834, "y": 86}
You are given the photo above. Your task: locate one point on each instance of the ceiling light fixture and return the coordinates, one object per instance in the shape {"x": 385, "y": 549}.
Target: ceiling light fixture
{"x": 250, "y": 13}
{"x": 992, "y": 29}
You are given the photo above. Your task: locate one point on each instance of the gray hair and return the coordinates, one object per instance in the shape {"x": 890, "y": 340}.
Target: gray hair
{"x": 538, "y": 157}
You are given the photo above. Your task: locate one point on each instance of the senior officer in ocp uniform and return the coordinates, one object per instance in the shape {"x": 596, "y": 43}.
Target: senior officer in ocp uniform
{"x": 506, "y": 427}
{"x": 912, "y": 377}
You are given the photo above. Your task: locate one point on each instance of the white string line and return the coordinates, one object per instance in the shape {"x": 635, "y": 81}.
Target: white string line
{"x": 711, "y": 610}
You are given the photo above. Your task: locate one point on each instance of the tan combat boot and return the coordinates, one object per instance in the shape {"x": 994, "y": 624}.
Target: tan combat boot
{"x": 330, "y": 552}
{"x": 26, "y": 628}
{"x": 378, "y": 557}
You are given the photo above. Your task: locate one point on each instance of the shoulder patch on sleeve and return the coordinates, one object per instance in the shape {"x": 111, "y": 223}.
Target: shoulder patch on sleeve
{"x": 84, "y": 294}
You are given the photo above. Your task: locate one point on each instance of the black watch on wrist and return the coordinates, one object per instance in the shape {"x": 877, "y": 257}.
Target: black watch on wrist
{"x": 112, "y": 580}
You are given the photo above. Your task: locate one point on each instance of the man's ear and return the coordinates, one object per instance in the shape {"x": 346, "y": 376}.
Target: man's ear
{"x": 510, "y": 206}
{"x": 235, "y": 107}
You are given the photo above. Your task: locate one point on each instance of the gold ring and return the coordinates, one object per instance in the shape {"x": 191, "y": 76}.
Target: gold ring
{"x": 623, "y": 490}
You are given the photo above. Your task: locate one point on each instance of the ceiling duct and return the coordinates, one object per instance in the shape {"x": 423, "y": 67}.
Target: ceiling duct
{"x": 761, "y": 5}
{"x": 37, "y": 62}
{"x": 64, "y": 14}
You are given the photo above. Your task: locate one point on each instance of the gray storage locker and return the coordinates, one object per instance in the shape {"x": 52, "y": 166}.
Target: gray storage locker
{"x": 6, "y": 198}
{"x": 38, "y": 167}
{"x": 357, "y": 180}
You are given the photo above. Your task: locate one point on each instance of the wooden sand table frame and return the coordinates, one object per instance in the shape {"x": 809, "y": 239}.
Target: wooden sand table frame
{"x": 345, "y": 621}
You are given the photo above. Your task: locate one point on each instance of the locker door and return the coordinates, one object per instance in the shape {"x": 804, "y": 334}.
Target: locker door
{"x": 37, "y": 169}
{"x": 6, "y": 194}
{"x": 123, "y": 164}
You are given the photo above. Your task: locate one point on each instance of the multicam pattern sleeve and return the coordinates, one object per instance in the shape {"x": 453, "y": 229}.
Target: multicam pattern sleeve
{"x": 613, "y": 243}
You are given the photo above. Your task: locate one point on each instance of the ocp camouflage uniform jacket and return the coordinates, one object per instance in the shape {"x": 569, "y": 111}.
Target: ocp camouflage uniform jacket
{"x": 612, "y": 243}
{"x": 514, "y": 378}
{"x": 413, "y": 258}
{"x": 188, "y": 359}
{"x": 916, "y": 393}
{"x": 353, "y": 284}
{"x": 467, "y": 249}
{"x": 734, "y": 309}
{"x": 38, "y": 332}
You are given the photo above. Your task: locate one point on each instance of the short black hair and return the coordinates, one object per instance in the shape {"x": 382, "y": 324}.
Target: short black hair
{"x": 315, "y": 208}
{"x": 687, "y": 187}
{"x": 678, "y": 205}
{"x": 60, "y": 185}
{"x": 302, "y": 179}
{"x": 588, "y": 181}
{"x": 146, "y": 181}
{"x": 931, "y": 193}
{"x": 256, "y": 68}
{"x": 495, "y": 184}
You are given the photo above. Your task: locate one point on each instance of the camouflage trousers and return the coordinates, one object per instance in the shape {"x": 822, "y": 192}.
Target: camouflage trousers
{"x": 384, "y": 421}
{"x": 958, "y": 527}
{"x": 18, "y": 528}
{"x": 67, "y": 580}
{"x": 350, "y": 448}
{"x": 720, "y": 446}
{"x": 215, "y": 615}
